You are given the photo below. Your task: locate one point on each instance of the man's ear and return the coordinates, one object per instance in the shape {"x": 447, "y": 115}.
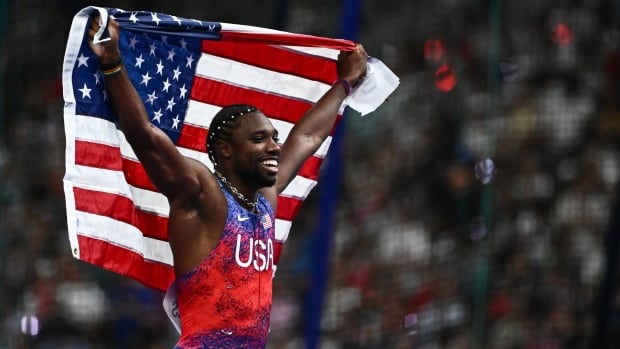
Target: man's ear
{"x": 224, "y": 148}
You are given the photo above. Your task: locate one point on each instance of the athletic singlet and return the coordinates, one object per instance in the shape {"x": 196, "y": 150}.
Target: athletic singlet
{"x": 225, "y": 302}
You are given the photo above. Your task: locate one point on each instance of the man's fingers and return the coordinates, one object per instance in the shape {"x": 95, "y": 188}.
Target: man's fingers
{"x": 94, "y": 24}
{"x": 360, "y": 49}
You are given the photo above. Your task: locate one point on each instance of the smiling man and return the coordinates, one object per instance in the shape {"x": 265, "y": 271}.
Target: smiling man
{"x": 221, "y": 223}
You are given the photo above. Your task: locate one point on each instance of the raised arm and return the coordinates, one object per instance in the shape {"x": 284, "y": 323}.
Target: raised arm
{"x": 314, "y": 127}
{"x": 169, "y": 170}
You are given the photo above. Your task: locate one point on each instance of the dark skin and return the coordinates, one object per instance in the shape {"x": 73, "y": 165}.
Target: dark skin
{"x": 198, "y": 208}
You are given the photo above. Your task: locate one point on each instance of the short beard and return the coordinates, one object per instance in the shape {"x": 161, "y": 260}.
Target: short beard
{"x": 263, "y": 182}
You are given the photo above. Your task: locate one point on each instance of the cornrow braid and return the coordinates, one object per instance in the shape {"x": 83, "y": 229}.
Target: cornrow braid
{"x": 222, "y": 124}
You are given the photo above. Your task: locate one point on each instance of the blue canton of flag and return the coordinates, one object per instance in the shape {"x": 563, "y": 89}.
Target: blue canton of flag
{"x": 161, "y": 65}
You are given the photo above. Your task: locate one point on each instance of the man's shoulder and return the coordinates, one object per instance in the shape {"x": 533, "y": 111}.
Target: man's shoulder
{"x": 271, "y": 195}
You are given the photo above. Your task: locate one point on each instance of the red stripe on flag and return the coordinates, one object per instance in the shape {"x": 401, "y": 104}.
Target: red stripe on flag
{"x": 223, "y": 94}
{"x": 277, "y": 59}
{"x": 288, "y": 208}
{"x": 125, "y": 262}
{"x": 291, "y": 39}
{"x": 310, "y": 168}
{"x": 108, "y": 157}
{"x": 135, "y": 174}
{"x": 98, "y": 155}
{"x": 121, "y": 209}
{"x": 193, "y": 137}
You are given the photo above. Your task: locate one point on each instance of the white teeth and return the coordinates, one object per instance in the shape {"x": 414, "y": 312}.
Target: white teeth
{"x": 271, "y": 163}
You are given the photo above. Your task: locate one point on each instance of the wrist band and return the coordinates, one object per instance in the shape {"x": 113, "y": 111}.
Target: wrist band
{"x": 345, "y": 83}
{"x": 112, "y": 68}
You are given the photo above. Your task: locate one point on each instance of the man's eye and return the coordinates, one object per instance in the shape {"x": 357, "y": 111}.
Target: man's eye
{"x": 276, "y": 139}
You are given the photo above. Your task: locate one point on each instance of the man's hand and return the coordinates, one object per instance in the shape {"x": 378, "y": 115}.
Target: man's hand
{"x": 351, "y": 65}
{"x": 107, "y": 51}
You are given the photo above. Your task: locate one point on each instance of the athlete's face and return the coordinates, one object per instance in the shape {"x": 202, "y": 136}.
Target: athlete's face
{"x": 256, "y": 149}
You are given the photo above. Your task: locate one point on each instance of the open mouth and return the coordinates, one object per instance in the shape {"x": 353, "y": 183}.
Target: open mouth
{"x": 271, "y": 165}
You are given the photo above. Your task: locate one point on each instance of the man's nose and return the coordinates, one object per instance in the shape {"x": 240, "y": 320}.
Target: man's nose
{"x": 273, "y": 146}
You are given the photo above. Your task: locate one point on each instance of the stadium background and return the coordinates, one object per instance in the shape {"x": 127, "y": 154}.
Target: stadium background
{"x": 422, "y": 253}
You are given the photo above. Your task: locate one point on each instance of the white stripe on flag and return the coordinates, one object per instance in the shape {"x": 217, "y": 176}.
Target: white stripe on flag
{"x": 282, "y": 229}
{"x": 124, "y": 235}
{"x": 128, "y": 153}
{"x": 316, "y": 51}
{"x": 299, "y": 188}
{"x": 97, "y": 130}
{"x": 200, "y": 114}
{"x": 113, "y": 182}
{"x": 101, "y": 131}
{"x": 242, "y": 28}
{"x": 260, "y": 79}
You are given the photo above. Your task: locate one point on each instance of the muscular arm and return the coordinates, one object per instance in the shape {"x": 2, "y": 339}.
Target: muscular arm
{"x": 169, "y": 170}
{"x": 314, "y": 127}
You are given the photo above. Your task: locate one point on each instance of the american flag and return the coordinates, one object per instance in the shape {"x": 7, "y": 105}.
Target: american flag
{"x": 184, "y": 70}
{"x": 265, "y": 220}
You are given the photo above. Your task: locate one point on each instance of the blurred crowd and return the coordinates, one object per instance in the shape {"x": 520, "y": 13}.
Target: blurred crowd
{"x": 424, "y": 252}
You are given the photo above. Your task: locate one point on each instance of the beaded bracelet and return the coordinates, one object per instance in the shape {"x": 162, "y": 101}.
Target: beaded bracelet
{"x": 112, "y": 68}
{"x": 345, "y": 83}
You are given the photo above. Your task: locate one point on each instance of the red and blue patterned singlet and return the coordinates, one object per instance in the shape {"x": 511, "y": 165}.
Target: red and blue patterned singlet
{"x": 225, "y": 302}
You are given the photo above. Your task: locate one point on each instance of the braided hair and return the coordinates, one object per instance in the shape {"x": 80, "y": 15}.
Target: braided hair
{"x": 222, "y": 125}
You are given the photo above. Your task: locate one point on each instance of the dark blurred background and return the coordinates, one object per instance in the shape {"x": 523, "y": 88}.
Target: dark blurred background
{"x": 423, "y": 252}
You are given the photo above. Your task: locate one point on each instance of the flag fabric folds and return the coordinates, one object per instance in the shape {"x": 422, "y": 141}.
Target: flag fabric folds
{"x": 185, "y": 71}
